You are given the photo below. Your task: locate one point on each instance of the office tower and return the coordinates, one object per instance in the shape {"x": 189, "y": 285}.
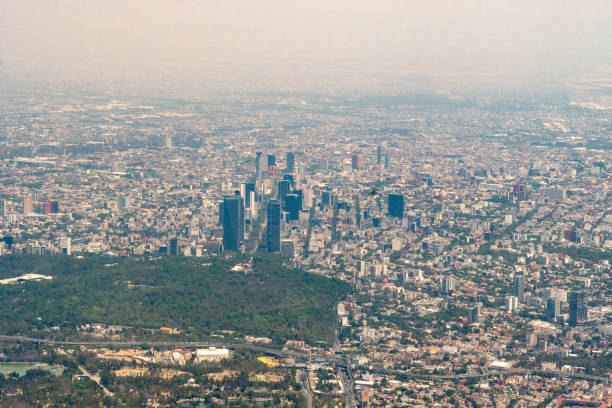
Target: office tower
{"x": 284, "y": 187}
{"x": 65, "y": 246}
{"x": 395, "y": 205}
{"x": 27, "y": 204}
{"x": 290, "y": 179}
{"x": 47, "y": 207}
{"x": 123, "y": 202}
{"x": 323, "y": 164}
{"x": 3, "y": 208}
{"x": 248, "y": 188}
{"x": 292, "y": 207}
{"x": 258, "y": 165}
{"x": 386, "y": 160}
{"x": 511, "y": 305}
{"x": 553, "y": 309}
{"x": 519, "y": 191}
{"x": 233, "y": 223}
{"x": 241, "y": 218}
{"x": 221, "y": 207}
{"x": 300, "y": 195}
{"x": 518, "y": 287}
{"x": 290, "y": 162}
{"x": 476, "y": 313}
{"x": 271, "y": 160}
{"x": 357, "y": 161}
{"x": 577, "y": 308}
{"x": 174, "y": 249}
{"x": 288, "y": 248}
{"x": 379, "y": 156}
{"x": 448, "y": 284}
{"x": 325, "y": 198}
{"x": 50, "y": 207}
{"x": 357, "y": 211}
{"x": 531, "y": 340}
{"x": 273, "y": 229}
{"x": 333, "y": 200}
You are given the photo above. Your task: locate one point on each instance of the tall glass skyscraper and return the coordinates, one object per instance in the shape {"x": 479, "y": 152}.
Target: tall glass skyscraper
{"x": 518, "y": 287}
{"x": 173, "y": 247}
{"x": 577, "y": 308}
{"x": 284, "y": 188}
{"x": 395, "y": 205}
{"x": 553, "y": 309}
{"x": 248, "y": 188}
{"x": 273, "y": 229}
{"x": 290, "y": 162}
{"x": 293, "y": 205}
{"x": 233, "y": 223}
{"x": 258, "y": 164}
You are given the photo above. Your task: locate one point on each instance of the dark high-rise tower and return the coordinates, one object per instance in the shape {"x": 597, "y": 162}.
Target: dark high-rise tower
{"x": 173, "y": 247}
{"x": 553, "y": 309}
{"x": 325, "y": 198}
{"x": 273, "y": 229}
{"x": 271, "y": 160}
{"x": 518, "y": 287}
{"x": 293, "y": 205}
{"x": 290, "y": 162}
{"x": 221, "y": 208}
{"x": 300, "y": 195}
{"x": 258, "y": 168}
{"x": 248, "y": 188}
{"x": 379, "y": 156}
{"x": 290, "y": 179}
{"x": 284, "y": 187}
{"x": 233, "y": 223}
{"x": 395, "y": 205}
{"x": 577, "y": 308}
{"x": 357, "y": 161}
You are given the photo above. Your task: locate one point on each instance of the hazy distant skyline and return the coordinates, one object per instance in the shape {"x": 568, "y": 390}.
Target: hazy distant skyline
{"x": 159, "y": 41}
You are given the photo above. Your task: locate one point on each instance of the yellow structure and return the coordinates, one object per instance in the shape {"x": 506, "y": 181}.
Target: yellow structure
{"x": 268, "y": 361}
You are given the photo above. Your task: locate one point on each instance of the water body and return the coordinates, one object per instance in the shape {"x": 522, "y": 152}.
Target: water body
{"x": 22, "y": 368}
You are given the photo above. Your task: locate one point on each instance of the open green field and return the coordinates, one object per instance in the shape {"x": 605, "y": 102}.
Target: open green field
{"x": 195, "y": 295}
{"x": 22, "y": 368}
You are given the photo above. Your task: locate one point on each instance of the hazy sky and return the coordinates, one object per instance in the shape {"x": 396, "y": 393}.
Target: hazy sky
{"x": 157, "y": 40}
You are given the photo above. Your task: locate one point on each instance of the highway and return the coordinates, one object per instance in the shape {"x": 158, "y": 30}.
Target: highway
{"x": 334, "y": 361}
{"x": 189, "y": 344}
{"x": 302, "y": 376}
{"x": 346, "y": 376}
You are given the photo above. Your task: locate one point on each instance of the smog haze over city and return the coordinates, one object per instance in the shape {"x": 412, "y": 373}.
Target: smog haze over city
{"x": 300, "y": 45}
{"x": 307, "y": 204}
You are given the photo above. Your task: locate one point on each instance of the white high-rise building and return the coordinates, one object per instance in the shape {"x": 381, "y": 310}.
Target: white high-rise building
{"x": 27, "y": 204}
{"x": 448, "y": 284}
{"x": 65, "y": 246}
{"x": 511, "y": 305}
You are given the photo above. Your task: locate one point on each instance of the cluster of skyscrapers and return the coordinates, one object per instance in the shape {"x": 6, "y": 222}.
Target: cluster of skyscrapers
{"x": 285, "y": 207}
